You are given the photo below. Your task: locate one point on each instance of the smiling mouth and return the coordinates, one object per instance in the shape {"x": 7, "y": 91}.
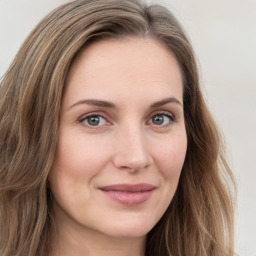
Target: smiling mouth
{"x": 129, "y": 194}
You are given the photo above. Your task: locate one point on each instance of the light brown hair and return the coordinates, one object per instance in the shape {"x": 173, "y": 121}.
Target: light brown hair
{"x": 198, "y": 222}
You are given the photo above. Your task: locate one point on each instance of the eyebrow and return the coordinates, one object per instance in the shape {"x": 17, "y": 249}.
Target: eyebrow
{"x": 98, "y": 103}
{"x": 165, "y": 101}
{"x": 107, "y": 104}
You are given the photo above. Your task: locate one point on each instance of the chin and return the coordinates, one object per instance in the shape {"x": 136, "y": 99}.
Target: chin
{"x": 128, "y": 228}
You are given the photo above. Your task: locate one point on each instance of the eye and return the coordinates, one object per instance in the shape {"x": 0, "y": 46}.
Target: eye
{"x": 161, "y": 119}
{"x": 94, "y": 120}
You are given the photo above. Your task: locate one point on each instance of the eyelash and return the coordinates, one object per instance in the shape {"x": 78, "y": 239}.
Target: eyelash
{"x": 86, "y": 117}
{"x": 171, "y": 117}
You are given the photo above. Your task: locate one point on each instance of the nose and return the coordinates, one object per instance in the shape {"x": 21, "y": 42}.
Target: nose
{"x": 131, "y": 150}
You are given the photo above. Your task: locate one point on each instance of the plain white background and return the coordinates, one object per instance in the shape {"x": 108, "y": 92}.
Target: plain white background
{"x": 223, "y": 33}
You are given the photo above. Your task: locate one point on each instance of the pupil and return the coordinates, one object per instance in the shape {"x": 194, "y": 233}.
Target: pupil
{"x": 158, "y": 119}
{"x": 93, "y": 120}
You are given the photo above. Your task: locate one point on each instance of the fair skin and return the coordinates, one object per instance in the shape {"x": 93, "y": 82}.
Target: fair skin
{"x": 121, "y": 123}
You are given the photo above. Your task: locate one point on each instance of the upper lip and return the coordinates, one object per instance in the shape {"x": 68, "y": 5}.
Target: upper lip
{"x": 129, "y": 187}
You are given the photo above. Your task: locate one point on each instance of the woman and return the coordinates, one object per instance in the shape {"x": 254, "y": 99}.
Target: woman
{"x": 107, "y": 146}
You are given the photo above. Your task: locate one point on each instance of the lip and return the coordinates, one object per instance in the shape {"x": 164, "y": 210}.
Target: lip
{"x": 129, "y": 194}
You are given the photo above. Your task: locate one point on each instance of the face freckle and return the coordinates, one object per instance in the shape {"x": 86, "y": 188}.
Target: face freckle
{"x": 117, "y": 167}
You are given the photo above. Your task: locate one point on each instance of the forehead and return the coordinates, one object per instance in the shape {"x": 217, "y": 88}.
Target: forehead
{"x": 129, "y": 65}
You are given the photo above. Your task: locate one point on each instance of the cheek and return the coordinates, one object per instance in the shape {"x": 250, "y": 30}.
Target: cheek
{"x": 171, "y": 155}
{"x": 79, "y": 156}
{"x": 73, "y": 167}
{"x": 76, "y": 164}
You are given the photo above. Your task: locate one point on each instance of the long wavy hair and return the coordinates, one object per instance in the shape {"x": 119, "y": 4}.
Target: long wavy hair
{"x": 199, "y": 220}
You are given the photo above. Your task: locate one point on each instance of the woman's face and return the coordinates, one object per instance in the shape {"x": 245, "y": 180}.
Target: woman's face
{"x": 122, "y": 138}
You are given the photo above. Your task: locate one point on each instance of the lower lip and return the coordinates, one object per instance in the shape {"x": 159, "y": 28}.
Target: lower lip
{"x": 129, "y": 198}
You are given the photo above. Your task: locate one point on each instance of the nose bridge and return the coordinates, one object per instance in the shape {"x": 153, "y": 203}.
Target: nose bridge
{"x": 131, "y": 149}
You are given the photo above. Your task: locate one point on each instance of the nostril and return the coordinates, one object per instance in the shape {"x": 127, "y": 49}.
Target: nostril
{"x": 131, "y": 165}
{"x": 131, "y": 151}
